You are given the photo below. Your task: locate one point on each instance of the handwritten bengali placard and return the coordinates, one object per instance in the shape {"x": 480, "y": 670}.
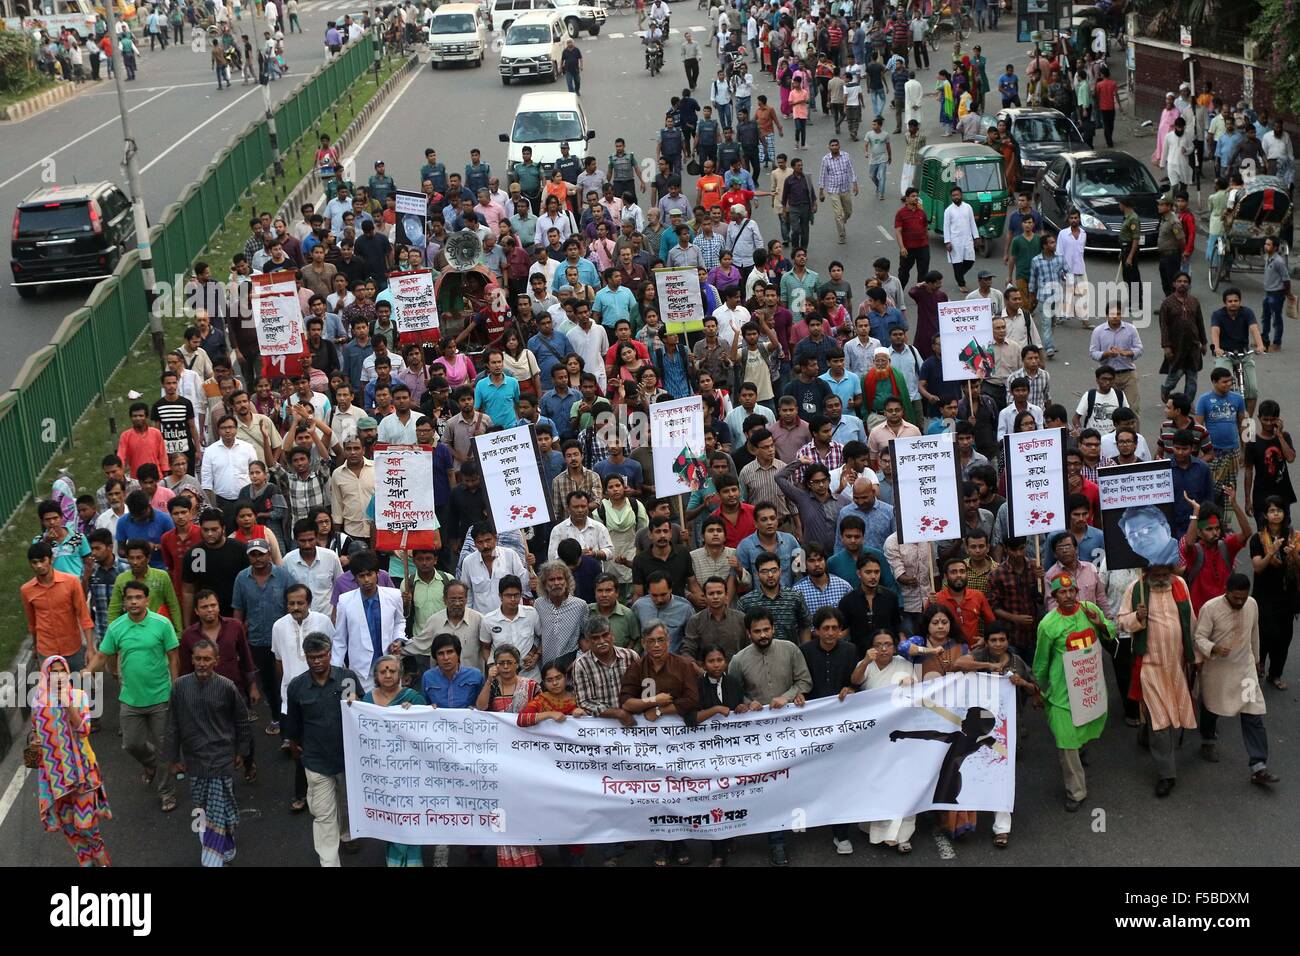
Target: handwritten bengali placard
{"x": 277, "y": 317}
{"x": 415, "y": 307}
{"x": 512, "y": 478}
{"x": 681, "y": 308}
{"x": 1036, "y": 481}
{"x": 677, "y": 445}
{"x": 404, "y": 506}
{"x": 927, "y": 506}
{"x": 966, "y": 339}
{"x": 439, "y": 776}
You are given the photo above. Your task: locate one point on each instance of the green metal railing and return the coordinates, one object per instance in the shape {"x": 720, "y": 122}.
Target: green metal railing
{"x": 63, "y": 379}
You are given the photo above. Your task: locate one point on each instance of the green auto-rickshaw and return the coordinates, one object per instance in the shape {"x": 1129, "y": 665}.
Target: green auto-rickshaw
{"x": 977, "y": 170}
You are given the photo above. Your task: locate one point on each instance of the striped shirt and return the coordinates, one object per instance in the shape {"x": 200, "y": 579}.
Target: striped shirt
{"x": 1040, "y": 385}
{"x": 789, "y": 612}
{"x": 208, "y": 720}
{"x": 837, "y": 173}
{"x": 1046, "y": 277}
{"x": 304, "y": 494}
{"x": 561, "y": 626}
{"x": 815, "y": 598}
{"x": 565, "y": 483}
{"x": 102, "y": 580}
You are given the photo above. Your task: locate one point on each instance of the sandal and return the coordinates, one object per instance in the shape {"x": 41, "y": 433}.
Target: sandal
{"x": 298, "y": 806}
{"x": 250, "y": 773}
{"x": 147, "y": 777}
{"x": 684, "y": 858}
{"x": 272, "y": 730}
{"x": 904, "y": 848}
{"x": 168, "y": 804}
{"x": 1279, "y": 683}
{"x": 661, "y": 859}
{"x": 1000, "y": 840}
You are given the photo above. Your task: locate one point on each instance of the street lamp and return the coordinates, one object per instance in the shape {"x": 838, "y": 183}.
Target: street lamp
{"x": 129, "y": 151}
{"x": 264, "y": 78}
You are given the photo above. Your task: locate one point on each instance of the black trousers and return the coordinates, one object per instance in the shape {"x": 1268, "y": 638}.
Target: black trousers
{"x": 921, "y": 54}
{"x": 1170, "y": 265}
{"x": 1121, "y": 656}
{"x": 919, "y": 257}
{"x": 1133, "y": 279}
{"x": 751, "y": 160}
{"x": 692, "y": 73}
{"x": 959, "y": 270}
{"x": 1108, "y": 127}
{"x": 264, "y": 658}
{"x": 1275, "y": 626}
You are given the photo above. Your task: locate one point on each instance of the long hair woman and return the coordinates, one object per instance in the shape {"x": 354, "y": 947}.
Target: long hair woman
{"x": 1275, "y": 556}
{"x": 389, "y": 692}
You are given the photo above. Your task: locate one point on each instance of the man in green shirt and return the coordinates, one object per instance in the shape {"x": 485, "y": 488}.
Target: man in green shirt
{"x": 162, "y": 593}
{"x": 1024, "y": 248}
{"x": 1130, "y": 240}
{"x": 623, "y": 623}
{"x": 141, "y": 647}
{"x": 528, "y": 175}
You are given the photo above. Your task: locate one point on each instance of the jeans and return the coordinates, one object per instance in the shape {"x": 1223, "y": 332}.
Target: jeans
{"x": 877, "y": 103}
{"x": 1188, "y": 375}
{"x": 143, "y": 731}
{"x": 128, "y": 61}
{"x": 1253, "y": 735}
{"x": 743, "y": 103}
{"x": 800, "y": 222}
{"x": 919, "y": 257}
{"x": 327, "y": 800}
{"x": 724, "y": 114}
{"x": 573, "y": 81}
{"x": 879, "y": 175}
{"x": 1045, "y": 328}
{"x": 1272, "y": 313}
{"x": 293, "y": 23}
{"x": 223, "y": 75}
{"x": 800, "y": 132}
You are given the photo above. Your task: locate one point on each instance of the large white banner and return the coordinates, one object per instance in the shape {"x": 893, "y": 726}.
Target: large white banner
{"x": 415, "y": 308}
{"x": 512, "y": 478}
{"x": 928, "y": 477}
{"x": 1036, "y": 481}
{"x": 677, "y": 445}
{"x": 426, "y": 775}
{"x": 966, "y": 339}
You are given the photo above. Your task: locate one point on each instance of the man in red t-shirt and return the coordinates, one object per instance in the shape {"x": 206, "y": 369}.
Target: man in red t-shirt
{"x": 911, "y": 232}
{"x": 1207, "y": 555}
{"x": 1107, "y": 94}
{"x": 709, "y": 187}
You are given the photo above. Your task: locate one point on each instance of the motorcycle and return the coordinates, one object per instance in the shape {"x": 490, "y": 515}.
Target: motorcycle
{"x": 654, "y": 53}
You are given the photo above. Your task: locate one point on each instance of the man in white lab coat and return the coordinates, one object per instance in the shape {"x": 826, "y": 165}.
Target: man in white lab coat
{"x": 959, "y": 235}
{"x": 355, "y": 645}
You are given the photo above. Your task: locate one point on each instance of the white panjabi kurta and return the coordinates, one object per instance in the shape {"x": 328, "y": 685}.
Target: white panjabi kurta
{"x": 1178, "y": 151}
{"x": 960, "y": 230}
{"x": 1229, "y": 685}
{"x": 913, "y": 100}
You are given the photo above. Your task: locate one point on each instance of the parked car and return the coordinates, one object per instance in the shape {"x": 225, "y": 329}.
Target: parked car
{"x": 1092, "y": 181}
{"x": 65, "y": 234}
{"x": 1040, "y": 135}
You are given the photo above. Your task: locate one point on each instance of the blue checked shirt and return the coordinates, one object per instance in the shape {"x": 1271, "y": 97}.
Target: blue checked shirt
{"x": 710, "y": 248}
{"x": 837, "y": 173}
{"x": 101, "y": 589}
{"x": 836, "y": 590}
{"x": 1046, "y": 277}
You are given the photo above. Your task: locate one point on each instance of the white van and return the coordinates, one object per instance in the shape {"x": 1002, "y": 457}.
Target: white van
{"x": 533, "y": 44}
{"x": 458, "y": 32}
{"x": 544, "y": 121}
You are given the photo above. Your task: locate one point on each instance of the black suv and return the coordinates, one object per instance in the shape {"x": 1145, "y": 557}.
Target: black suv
{"x": 69, "y": 234}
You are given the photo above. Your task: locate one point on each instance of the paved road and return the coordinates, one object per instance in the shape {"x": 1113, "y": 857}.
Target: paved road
{"x": 1215, "y": 817}
{"x": 180, "y": 122}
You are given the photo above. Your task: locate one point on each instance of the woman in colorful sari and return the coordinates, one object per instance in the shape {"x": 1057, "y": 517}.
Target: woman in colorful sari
{"x": 389, "y": 692}
{"x": 506, "y": 692}
{"x": 70, "y": 793}
{"x": 947, "y": 105}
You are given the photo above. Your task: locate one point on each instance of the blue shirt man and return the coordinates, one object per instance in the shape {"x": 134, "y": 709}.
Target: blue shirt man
{"x": 1220, "y": 412}
{"x": 259, "y": 604}
{"x": 496, "y": 393}
{"x": 587, "y": 274}
{"x": 613, "y": 304}
{"x": 150, "y": 528}
{"x": 550, "y": 349}
{"x": 879, "y": 519}
{"x": 1194, "y": 480}
{"x": 458, "y": 690}
{"x": 557, "y": 407}
{"x": 787, "y": 546}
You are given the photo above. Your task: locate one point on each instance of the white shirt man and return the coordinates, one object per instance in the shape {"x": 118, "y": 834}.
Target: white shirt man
{"x": 591, "y": 344}
{"x": 592, "y": 535}
{"x": 353, "y": 646}
{"x": 743, "y": 238}
{"x": 1178, "y": 158}
{"x": 319, "y": 574}
{"x": 225, "y": 467}
{"x": 524, "y": 631}
{"x": 483, "y": 583}
{"x": 286, "y": 644}
{"x": 730, "y": 322}
{"x": 960, "y": 231}
{"x": 547, "y": 222}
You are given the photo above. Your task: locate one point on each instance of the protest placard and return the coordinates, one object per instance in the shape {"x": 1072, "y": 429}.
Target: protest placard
{"x": 1085, "y": 682}
{"x": 415, "y": 308}
{"x": 412, "y": 212}
{"x": 1137, "y": 514}
{"x": 677, "y": 445}
{"x": 927, "y": 503}
{"x": 1036, "y": 481}
{"x": 404, "y": 509}
{"x": 512, "y": 478}
{"x": 428, "y": 775}
{"x": 278, "y": 320}
{"x": 966, "y": 339}
{"x": 681, "y": 308}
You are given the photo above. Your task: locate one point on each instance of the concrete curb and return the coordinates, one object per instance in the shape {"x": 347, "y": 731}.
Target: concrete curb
{"x": 310, "y": 188}
{"x": 43, "y": 101}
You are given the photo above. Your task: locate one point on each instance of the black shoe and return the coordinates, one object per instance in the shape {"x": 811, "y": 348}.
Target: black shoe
{"x": 778, "y": 856}
{"x": 1072, "y": 805}
{"x": 1264, "y": 778}
{"x": 1164, "y": 786}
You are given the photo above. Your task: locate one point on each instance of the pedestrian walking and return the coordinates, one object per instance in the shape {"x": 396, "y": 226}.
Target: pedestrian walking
{"x": 836, "y": 181}
{"x": 879, "y": 155}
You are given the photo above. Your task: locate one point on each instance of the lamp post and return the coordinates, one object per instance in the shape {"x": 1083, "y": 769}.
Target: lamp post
{"x": 129, "y": 152}
{"x": 264, "y": 79}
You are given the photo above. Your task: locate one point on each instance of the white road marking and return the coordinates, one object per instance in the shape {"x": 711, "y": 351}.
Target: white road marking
{"x": 885, "y": 232}
{"x": 946, "y": 851}
{"x": 177, "y": 86}
{"x": 229, "y": 106}
{"x": 12, "y": 791}
{"x": 615, "y": 36}
{"x": 106, "y": 123}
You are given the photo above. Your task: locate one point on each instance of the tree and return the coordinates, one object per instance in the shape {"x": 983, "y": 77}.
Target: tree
{"x": 1277, "y": 31}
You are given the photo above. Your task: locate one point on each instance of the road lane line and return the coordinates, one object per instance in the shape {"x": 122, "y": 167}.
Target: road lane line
{"x": 177, "y": 86}
{"x": 229, "y": 106}
{"x": 379, "y": 122}
{"x": 885, "y": 232}
{"x": 116, "y": 119}
{"x": 12, "y": 791}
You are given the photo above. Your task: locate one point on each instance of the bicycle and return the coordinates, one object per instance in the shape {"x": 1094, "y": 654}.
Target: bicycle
{"x": 1238, "y": 363}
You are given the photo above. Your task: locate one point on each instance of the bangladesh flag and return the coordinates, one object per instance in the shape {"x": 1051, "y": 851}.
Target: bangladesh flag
{"x": 690, "y": 468}
{"x": 976, "y": 359}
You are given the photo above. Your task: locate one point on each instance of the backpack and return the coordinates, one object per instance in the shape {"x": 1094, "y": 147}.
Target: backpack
{"x": 1092, "y": 402}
